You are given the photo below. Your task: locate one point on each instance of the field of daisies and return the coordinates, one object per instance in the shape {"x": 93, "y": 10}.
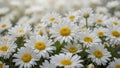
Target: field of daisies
{"x": 59, "y": 33}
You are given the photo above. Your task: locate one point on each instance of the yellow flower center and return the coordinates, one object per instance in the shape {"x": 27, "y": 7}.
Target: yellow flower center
{"x": 117, "y": 66}
{"x": 40, "y": 45}
{"x": 39, "y": 26}
{"x": 115, "y": 23}
{"x": 115, "y": 33}
{"x": 99, "y": 20}
{"x": 66, "y": 62}
{"x": 100, "y": 33}
{"x": 41, "y": 33}
{"x": 20, "y": 31}
{"x": 72, "y": 17}
{"x": 98, "y": 54}
{"x": 88, "y": 39}
{"x": 3, "y": 25}
{"x": 4, "y": 48}
{"x": 1, "y": 65}
{"x": 52, "y": 19}
{"x": 26, "y": 57}
{"x": 65, "y": 31}
{"x": 72, "y": 49}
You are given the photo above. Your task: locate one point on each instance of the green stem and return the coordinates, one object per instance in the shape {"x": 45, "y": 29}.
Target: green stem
{"x": 86, "y": 22}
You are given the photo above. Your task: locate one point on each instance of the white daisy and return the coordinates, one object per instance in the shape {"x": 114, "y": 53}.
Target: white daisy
{"x": 23, "y": 20}
{"x": 72, "y": 48}
{"x": 67, "y": 60}
{"x": 7, "y": 38}
{"x": 114, "y": 64}
{"x": 40, "y": 26}
{"x": 101, "y": 10}
{"x": 41, "y": 45}
{"x": 72, "y": 16}
{"x": 86, "y": 12}
{"x": 35, "y": 18}
{"x": 51, "y": 18}
{"x": 40, "y": 29}
{"x": 100, "y": 19}
{"x": 19, "y": 30}
{"x": 64, "y": 31}
{"x": 25, "y": 57}
{"x": 3, "y": 65}
{"x": 7, "y": 48}
{"x": 89, "y": 38}
{"x": 5, "y": 24}
{"x": 41, "y": 32}
{"x": 100, "y": 32}
{"x": 47, "y": 64}
{"x": 99, "y": 54}
{"x": 112, "y": 22}
{"x": 113, "y": 34}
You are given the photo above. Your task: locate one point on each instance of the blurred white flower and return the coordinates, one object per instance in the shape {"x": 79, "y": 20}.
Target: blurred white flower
{"x": 113, "y": 4}
{"x": 4, "y": 10}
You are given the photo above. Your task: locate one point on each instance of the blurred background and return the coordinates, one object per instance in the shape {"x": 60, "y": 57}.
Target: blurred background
{"x": 16, "y": 8}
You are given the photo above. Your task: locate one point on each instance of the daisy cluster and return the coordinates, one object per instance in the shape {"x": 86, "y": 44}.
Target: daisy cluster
{"x": 59, "y": 34}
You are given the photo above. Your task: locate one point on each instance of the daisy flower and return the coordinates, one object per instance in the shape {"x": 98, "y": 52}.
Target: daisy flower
{"x": 5, "y": 25}
{"x": 40, "y": 29}
{"x": 72, "y": 16}
{"x": 41, "y": 45}
{"x": 64, "y": 31}
{"x": 40, "y": 26}
{"x": 7, "y": 48}
{"x": 100, "y": 19}
{"x": 25, "y": 57}
{"x": 114, "y": 64}
{"x": 19, "y": 30}
{"x": 67, "y": 60}
{"x": 85, "y": 12}
{"x": 7, "y": 38}
{"x": 101, "y": 10}
{"x": 72, "y": 48}
{"x": 100, "y": 32}
{"x": 3, "y": 65}
{"x": 99, "y": 54}
{"x": 47, "y": 64}
{"x": 51, "y": 18}
{"x": 89, "y": 38}
{"x": 23, "y": 20}
{"x": 114, "y": 21}
{"x": 41, "y": 32}
{"x": 113, "y": 34}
